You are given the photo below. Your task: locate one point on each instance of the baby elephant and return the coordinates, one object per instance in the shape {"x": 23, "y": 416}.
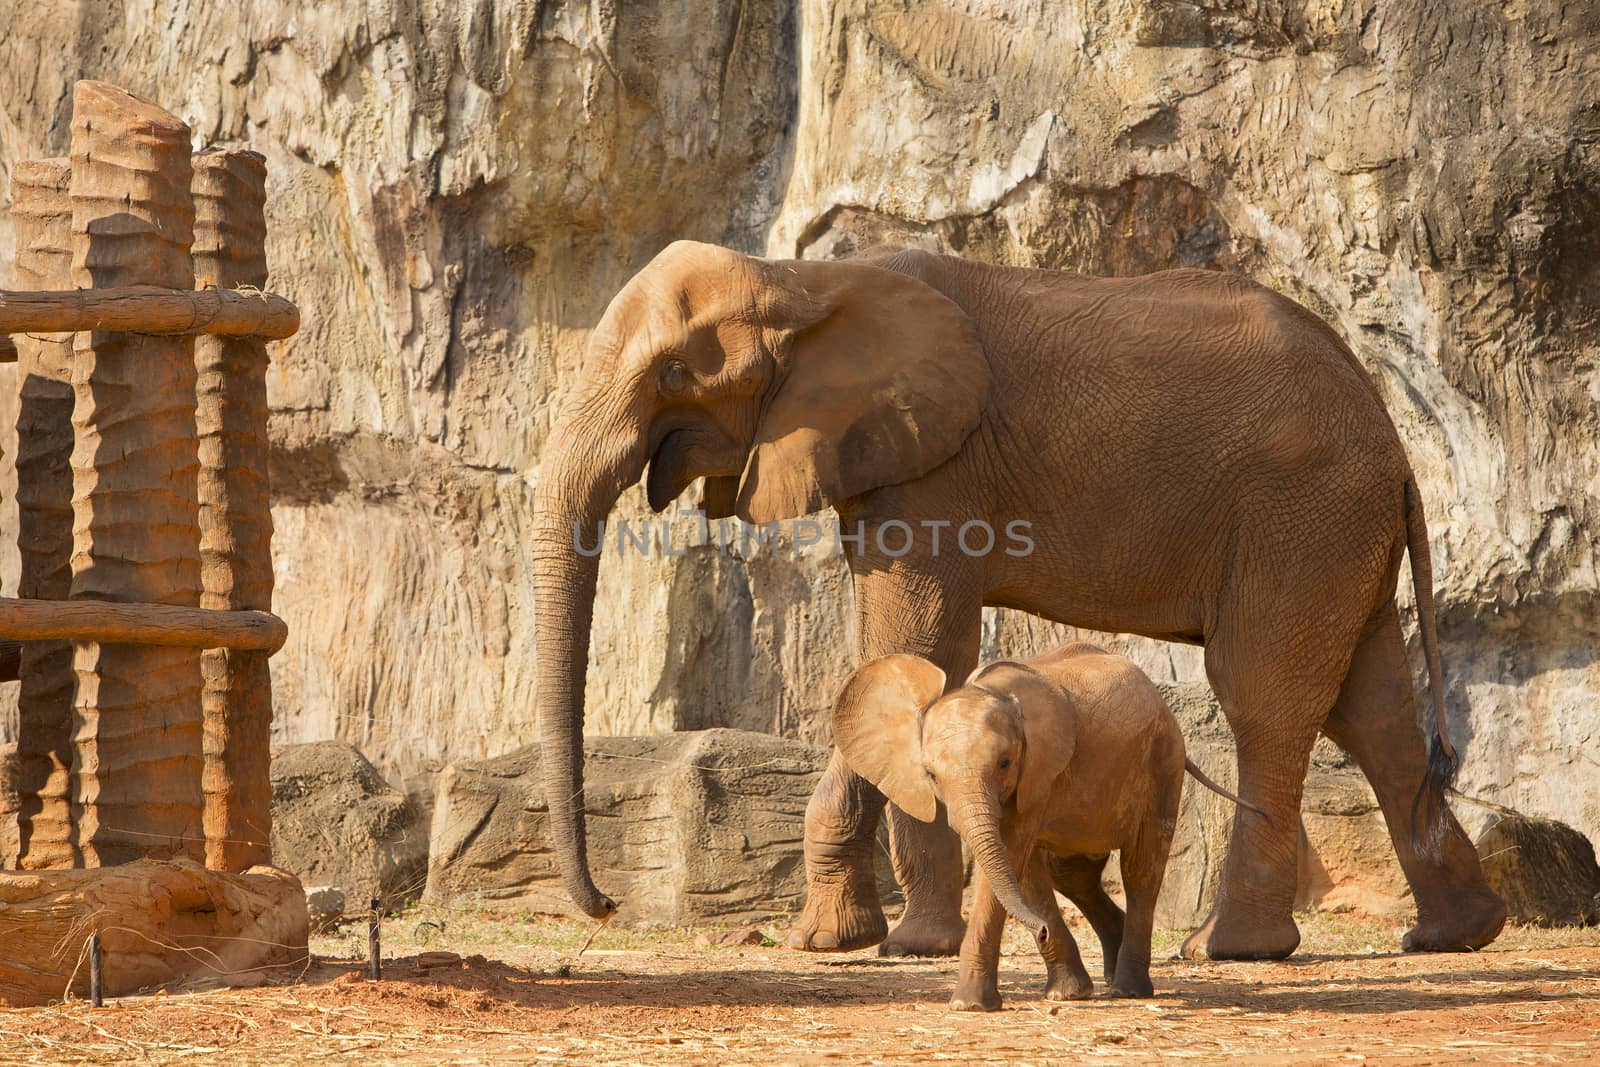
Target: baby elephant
{"x": 1072, "y": 753}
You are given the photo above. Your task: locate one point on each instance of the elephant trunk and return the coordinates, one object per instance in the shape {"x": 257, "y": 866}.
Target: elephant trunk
{"x": 576, "y": 489}
{"x": 979, "y": 814}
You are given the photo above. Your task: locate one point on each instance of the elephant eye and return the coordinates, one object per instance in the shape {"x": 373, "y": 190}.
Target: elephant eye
{"x": 931, "y": 776}
{"x": 1005, "y": 761}
{"x": 675, "y": 377}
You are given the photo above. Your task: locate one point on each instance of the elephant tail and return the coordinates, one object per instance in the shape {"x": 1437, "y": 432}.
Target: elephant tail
{"x": 1427, "y": 810}
{"x": 1200, "y": 776}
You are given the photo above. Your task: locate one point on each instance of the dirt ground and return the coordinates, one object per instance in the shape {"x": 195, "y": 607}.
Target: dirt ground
{"x": 517, "y": 992}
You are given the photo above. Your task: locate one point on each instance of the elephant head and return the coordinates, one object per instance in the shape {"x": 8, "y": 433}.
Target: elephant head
{"x": 991, "y": 752}
{"x": 788, "y": 385}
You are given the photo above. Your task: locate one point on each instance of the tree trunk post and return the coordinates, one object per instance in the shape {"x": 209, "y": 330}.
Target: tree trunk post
{"x": 235, "y": 515}
{"x": 42, "y": 216}
{"x": 137, "y": 722}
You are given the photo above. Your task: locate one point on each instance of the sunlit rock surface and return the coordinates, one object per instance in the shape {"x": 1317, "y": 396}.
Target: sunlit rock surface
{"x": 457, "y": 189}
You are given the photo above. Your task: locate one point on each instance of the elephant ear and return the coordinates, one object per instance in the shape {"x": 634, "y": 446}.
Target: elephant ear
{"x": 719, "y": 493}
{"x": 1049, "y": 728}
{"x": 877, "y": 726}
{"x": 882, "y": 379}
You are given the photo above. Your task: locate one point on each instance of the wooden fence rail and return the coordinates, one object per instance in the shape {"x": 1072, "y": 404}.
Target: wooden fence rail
{"x": 114, "y": 623}
{"x": 152, "y": 310}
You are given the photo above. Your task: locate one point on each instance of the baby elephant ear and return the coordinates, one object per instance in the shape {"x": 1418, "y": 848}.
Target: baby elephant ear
{"x": 877, "y": 725}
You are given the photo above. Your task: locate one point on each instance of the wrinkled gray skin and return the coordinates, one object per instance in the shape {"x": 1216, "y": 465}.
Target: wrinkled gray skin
{"x": 1044, "y": 767}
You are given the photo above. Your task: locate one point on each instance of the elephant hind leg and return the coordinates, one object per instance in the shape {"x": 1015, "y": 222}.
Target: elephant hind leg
{"x": 1375, "y": 720}
{"x": 1144, "y": 865}
{"x": 1078, "y": 878}
{"x": 1276, "y": 687}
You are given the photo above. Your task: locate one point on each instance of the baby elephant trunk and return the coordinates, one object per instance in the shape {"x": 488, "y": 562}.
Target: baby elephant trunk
{"x": 982, "y": 821}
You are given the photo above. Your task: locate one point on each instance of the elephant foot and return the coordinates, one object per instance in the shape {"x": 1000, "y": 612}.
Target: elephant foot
{"x": 841, "y": 915}
{"x": 1223, "y": 937}
{"x": 1070, "y": 989}
{"x": 1464, "y": 927}
{"x": 1132, "y": 988}
{"x": 925, "y": 935}
{"x": 975, "y": 998}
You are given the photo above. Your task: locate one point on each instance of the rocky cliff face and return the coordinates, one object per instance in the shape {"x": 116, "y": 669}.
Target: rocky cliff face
{"x": 456, "y": 189}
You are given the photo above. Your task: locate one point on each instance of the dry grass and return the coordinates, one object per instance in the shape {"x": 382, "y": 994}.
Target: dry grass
{"x": 521, "y": 995}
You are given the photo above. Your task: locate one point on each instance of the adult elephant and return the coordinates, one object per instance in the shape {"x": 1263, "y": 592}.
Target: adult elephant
{"x": 1198, "y": 459}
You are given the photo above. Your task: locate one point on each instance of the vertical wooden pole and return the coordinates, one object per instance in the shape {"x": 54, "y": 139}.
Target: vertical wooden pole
{"x": 137, "y": 757}
{"x": 42, "y": 218}
{"x": 235, "y": 520}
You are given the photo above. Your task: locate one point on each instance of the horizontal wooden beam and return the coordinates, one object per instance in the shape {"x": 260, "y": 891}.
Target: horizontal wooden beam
{"x": 148, "y": 309}
{"x": 109, "y": 623}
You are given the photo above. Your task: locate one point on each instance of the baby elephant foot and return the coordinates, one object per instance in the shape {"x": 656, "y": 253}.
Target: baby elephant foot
{"x": 972, "y": 997}
{"x": 1132, "y": 988}
{"x": 1069, "y": 989}
{"x": 991, "y": 1003}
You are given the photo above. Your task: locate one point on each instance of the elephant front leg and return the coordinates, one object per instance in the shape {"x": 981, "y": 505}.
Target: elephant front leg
{"x": 927, "y": 864}
{"x": 842, "y": 910}
{"x": 978, "y": 987}
{"x": 1066, "y": 978}
{"x": 929, "y": 605}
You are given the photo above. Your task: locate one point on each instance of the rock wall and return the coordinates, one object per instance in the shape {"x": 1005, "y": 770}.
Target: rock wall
{"x": 455, "y": 190}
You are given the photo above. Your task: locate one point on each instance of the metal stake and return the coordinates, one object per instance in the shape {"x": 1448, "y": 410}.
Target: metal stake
{"x": 374, "y": 957}
{"x": 95, "y": 999}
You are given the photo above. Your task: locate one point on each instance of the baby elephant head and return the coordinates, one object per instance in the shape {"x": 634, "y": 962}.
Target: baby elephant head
{"x": 991, "y": 751}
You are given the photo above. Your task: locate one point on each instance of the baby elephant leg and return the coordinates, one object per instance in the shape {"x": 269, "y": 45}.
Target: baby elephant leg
{"x": 1066, "y": 977}
{"x": 1144, "y": 863}
{"x": 1079, "y": 879}
{"x": 978, "y": 987}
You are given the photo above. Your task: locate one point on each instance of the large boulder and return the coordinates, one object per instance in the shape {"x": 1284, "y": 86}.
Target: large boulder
{"x": 683, "y": 827}
{"x": 336, "y": 822}
{"x": 1544, "y": 870}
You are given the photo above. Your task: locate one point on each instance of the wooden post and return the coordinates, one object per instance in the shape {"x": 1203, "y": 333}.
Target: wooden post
{"x": 42, "y": 217}
{"x": 235, "y": 517}
{"x": 137, "y": 758}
